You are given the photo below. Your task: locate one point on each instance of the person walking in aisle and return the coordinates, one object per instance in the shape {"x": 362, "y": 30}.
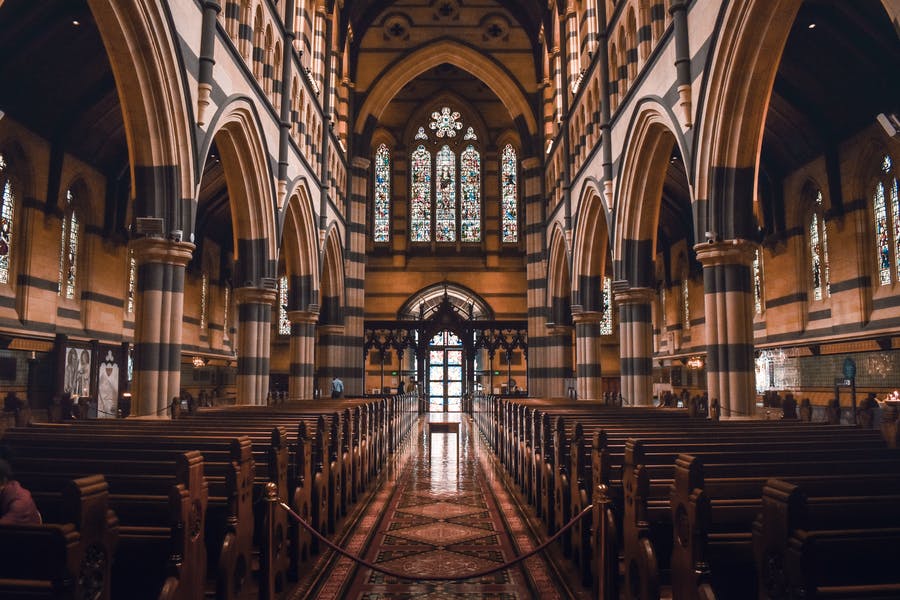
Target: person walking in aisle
{"x": 337, "y": 387}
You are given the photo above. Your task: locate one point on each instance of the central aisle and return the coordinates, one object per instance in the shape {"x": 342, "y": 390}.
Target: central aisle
{"x": 439, "y": 515}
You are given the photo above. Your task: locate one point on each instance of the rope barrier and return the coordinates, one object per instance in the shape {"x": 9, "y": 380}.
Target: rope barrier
{"x": 476, "y": 574}
{"x": 165, "y": 409}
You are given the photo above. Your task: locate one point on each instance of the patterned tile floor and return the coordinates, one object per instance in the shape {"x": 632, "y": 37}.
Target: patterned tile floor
{"x": 443, "y": 512}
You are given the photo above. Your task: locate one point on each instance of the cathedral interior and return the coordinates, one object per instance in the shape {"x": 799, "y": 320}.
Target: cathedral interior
{"x": 453, "y": 298}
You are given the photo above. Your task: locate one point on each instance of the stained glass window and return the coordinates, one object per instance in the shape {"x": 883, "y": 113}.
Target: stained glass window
{"x": 68, "y": 255}
{"x": 6, "y": 221}
{"x": 757, "y": 283}
{"x": 470, "y": 192}
{"x": 382, "y": 219}
{"x": 204, "y": 301}
{"x": 445, "y": 196}
{"x": 606, "y": 327}
{"x": 132, "y": 280}
{"x": 445, "y": 123}
{"x": 686, "y": 301}
{"x": 886, "y": 209}
{"x": 510, "y": 195}
{"x": 225, "y": 312}
{"x": 284, "y": 324}
{"x": 882, "y": 235}
{"x": 456, "y": 174}
{"x": 420, "y": 196}
{"x": 818, "y": 247}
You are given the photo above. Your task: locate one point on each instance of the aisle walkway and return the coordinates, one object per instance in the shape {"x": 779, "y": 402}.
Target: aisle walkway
{"x": 439, "y": 515}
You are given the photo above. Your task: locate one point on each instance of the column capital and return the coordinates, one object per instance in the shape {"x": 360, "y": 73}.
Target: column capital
{"x": 728, "y": 252}
{"x": 300, "y": 317}
{"x": 161, "y": 250}
{"x": 555, "y": 329}
{"x": 254, "y": 295}
{"x": 587, "y": 316}
{"x": 635, "y": 295}
{"x": 360, "y": 162}
{"x": 530, "y": 163}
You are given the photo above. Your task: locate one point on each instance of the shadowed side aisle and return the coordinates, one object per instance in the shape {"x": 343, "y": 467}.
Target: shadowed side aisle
{"x": 445, "y": 513}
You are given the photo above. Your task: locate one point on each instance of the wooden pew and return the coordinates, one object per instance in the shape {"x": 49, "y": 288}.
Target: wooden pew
{"x": 69, "y": 556}
{"x": 607, "y": 453}
{"x": 148, "y": 468}
{"x": 827, "y": 537}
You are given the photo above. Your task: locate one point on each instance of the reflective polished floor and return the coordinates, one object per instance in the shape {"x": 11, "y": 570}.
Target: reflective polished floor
{"x": 442, "y": 511}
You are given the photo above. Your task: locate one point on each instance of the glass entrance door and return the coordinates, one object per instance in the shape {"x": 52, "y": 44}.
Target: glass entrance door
{"x": 445, "y": 373}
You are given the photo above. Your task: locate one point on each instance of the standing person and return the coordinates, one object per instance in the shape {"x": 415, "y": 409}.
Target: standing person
{"x": 16, "y": 504}
{"x": 337, "y": 387}
{"x": 402, "y": 388}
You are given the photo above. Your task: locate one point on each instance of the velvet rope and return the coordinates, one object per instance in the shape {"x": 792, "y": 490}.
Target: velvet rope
{"x": 474, "y": 575}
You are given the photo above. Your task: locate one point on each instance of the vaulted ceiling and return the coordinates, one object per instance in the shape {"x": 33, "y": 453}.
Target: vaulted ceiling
{"x": 362, "y": 14}
{"x": 838, "y": 71}
{"x": 58, "y": 82}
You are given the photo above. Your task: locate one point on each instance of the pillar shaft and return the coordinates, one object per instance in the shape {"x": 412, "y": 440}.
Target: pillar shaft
{"x": 729, "y": 308}
{"x": 159, "y": 309}
{"x": 636, "y": 345}
{"x": 540, "y": 382}
{"x": 303, "y": 357}
{"x": 589, "y": 383}
{"x": 352, "y": 361}
{"x": 253, "y": 344}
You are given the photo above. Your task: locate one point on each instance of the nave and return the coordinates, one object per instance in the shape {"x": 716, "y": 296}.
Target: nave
{"x": 442, "y": 509}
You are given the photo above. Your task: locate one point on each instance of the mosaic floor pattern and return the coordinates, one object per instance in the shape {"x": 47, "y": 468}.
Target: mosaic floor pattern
{"x": 444, "y": 514}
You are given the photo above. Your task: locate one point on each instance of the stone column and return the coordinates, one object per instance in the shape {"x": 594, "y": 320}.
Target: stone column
{"x": 539, "y": 380}
{"x": 353, "y": 361}
{"x": 303, "y": 353}
{"x": 589, "y": 384}
{"x": 636, "y": 345}
{"x": 254, "y": 339}
{"x": 159, "y": 309}
{"x": 729, "y": 303}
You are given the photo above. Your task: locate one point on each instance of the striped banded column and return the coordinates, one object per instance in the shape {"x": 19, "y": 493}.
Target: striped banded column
{"x": 354, "y": 280}
{"x": 304, "y": 27}
{"x": 253, "y": 343}
{"x": 572, "y": 55}
{"x": 317, "y": 63}
{"x": 589, "y": 384}
{"x": 729, "y": 304}
{"x": 636, "y": 344}
{"x": 303, "y": 353}
{"x": 159, "y": 310}
{"x": 588, "y": 26}
{"x": 536, "y": 274}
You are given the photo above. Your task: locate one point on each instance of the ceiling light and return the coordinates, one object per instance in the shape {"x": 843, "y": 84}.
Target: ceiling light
{"x": 76, "y": 22}
{"x": 811, "y": 26}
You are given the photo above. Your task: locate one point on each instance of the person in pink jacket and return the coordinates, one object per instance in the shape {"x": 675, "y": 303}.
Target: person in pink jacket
{"x": 17, "y": 507}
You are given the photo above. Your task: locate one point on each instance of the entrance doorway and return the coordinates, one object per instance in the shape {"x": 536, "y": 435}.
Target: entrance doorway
{"x": 445, "y": 373}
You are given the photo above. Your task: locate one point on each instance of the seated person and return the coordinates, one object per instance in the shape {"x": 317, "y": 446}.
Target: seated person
{"x": 16, "y": 505}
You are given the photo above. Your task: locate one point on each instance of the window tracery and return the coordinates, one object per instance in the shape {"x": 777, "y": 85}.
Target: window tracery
{"x": 818, "y": 249}
{"x": 886, "y": 209}
{"x": 204, "y": 302}
{"x": 68, "y": 254}
{"x": 7, "y": 215}
{"x": 509, "y": 209}
{"x": 132, "y": 280}
{"x": 757, "y": 282}
{"x": 456, "y": 175}
{"x": 606, "y": 327}
{"x": 382, "y": 218}
{"x": 284, "y": 324}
